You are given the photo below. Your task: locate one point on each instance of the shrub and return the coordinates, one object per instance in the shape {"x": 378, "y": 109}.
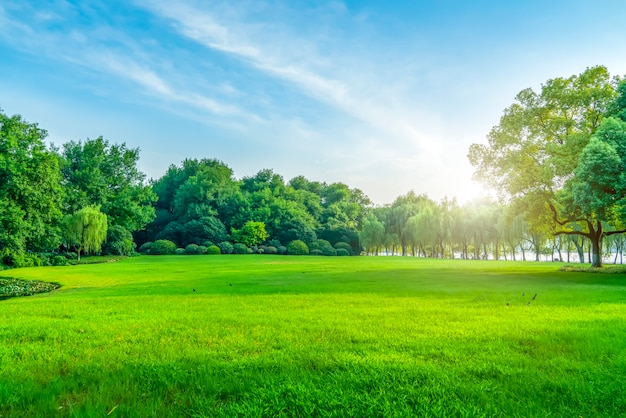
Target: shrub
{"x": 260, "y": 251}
{"x": 342, "y": 252}
{"x": 213, "y": 249}
{"x": 202, "y": 249}
{"x": 208, "y": 243}
{"x": 282, "y": 250}
{"x": 193, "y": 249}
{"x": 240, "y": 249}
{"x": 119, "y": 241}
{"x": 345, "y": 246}
{"x": 19, "y": 259}
{"x": 270, "y": 249}
{"x": 297, "y": 247}
{"x": 225, "y": 247}
{"x": 315, "y": 252}
{"x": 180, "y": 251}
{"x": 145, "y": 247}
{"x": 163, "y": 246}
{"x": 328, "y": 251}
{"x": 59, "y": 260}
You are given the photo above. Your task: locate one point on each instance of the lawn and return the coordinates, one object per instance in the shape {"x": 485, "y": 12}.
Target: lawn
{"x": 272, "y": 336}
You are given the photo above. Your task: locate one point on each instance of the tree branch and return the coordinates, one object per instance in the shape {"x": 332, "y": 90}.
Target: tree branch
{"x": 584, "y": 234}
{"x": 609, "y": 233}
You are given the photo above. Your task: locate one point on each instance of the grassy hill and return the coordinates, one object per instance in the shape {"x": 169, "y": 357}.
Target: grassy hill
{"x": 314, "y": 336}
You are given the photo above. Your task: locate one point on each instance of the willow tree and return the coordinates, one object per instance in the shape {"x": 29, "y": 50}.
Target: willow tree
{"x": 535, "y": 158}
{"x": 86, "y": 229}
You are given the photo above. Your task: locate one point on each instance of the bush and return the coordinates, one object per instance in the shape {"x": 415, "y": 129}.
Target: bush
{"x": 260, "y": 251}
{"x": 193, "y": 249}
{"x": 344, "y": 246}
{"x": 240, "y": 249}
{"x": 297, "y": 247}
{"x": 59, "y": 260}
{"x": 180, "y": 251}
{"x": 270, "y": 249}
{"x": 225, "y": 247}
{"x": 19, "y": 259}
{"x": 315, "y": 252}
{"x": 145, "y": 247}
{"x": 202, "y": 249}
{"x": 208, "y": 244}
{"x": 119, "y": 241}
{"x": 328, "y": 251}
{"x": 213, "y": 249}
{"x": 342, "y": 252}
{"x": 282, "y": 250}
{"x": 162, "y": 247}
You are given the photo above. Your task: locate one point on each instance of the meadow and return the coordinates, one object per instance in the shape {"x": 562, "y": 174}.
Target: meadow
{"x": 260, "y": 335}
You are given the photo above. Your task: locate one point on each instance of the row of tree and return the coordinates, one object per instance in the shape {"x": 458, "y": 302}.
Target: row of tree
{"x": 557, "y": 160}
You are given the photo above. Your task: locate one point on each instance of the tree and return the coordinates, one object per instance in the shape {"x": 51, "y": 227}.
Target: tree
{"x": 98, "y": 173}
{"x": 30, "y": 187}
{"x": 536, "y": 150}
{"x": 252, "y": 233}
{"x": 86, "y": 229}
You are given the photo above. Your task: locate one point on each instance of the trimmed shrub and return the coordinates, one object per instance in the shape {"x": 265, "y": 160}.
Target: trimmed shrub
{"x": 119, "y": 241}
{"x": 297, "y": 247}
{"x": 202, "y": 249}
{"x": 180, "y": 251}
{"x": 342, "y": 252}
{"x": 208, "y": 244}
{"x": 260, "y": 251}
{"x": 345, "y": 246}
{"x": 193, "y": 249}
{"x": 240, "y": 248}
{"x": 282, "y": 250}
{"x": 328, "y": 251}
{"x": 213, "y": 250}
{"x": 145, "y": 248}
{"x": 315, "y": 252}
{"x": 270, "y": 249}
{"x": 163, "y": 246}
{"x": 250, "y": 251}
{"x": 225, "y": 247}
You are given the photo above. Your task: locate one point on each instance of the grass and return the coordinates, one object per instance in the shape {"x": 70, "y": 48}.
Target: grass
{"x": 314, "y": 336}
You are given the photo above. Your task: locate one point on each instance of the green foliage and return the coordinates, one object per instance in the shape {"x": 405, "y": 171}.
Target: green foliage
{"x": 30, "y": 187}
{"x": 213, "y": 250}
{"x": 145, "y": 247}
{"x": 96, "y": 173}
{"x": 240, "y": 249}
{"x": 297, "y": 247}
{"x": 59, "y": 260}
{"x": 315, "y": 252}
{"x": 252, "y": 233}
{"x": 193, "y": 249}
{"x": 328, "y": 251}
{"x": 86, "y": 229}
{"x": 282, "y": 249}
{"x": 163, "y": 247}
{"x": 345, "y": 246}
{"x": 225, "y": 247}
{"x": 343, "y": 252}
{"x": 119, "y": 241}
{"x": 180, "y": 251}
{"x": 270, "y": 249}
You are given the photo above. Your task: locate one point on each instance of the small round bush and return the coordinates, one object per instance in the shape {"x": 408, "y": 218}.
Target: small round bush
{"x": 260, "y": 251}
{"x": 297, "y": 247}
{"x": 163, "y": 246}
{"x": 202, "y": 249}
{"x": 328, "y": 251}
{"x": 213, "y": 249}
{"x": 344, "y": 246}
{"x": 180, "y": 251}
{"x": 282, "y": 249}
{"x": 240, "y": 248}
{"x": 226, "y": 247}
{"x": 270, "y": 249}
{"x": 145, "y": 248}
{"x": 193, "y": 249}
{"x": 207, "y": 243}
{"x": 250, "y": 251}
{"x": 342, "y": 252}
{"x": 315, "y": 252}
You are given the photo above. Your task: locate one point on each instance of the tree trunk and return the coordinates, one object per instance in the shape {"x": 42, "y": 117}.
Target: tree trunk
{"x": 596, "y": 244}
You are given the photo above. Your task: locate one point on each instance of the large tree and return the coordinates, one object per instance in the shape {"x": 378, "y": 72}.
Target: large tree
{"x": 535, "y": 156}
{"x": 30, "y": 187}
{"x": 96, "y": 172}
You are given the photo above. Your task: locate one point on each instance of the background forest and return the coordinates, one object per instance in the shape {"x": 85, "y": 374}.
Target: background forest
{"x": 556, "y": 161}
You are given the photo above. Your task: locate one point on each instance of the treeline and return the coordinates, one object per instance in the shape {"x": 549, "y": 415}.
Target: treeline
{"x": 557, "y": 158}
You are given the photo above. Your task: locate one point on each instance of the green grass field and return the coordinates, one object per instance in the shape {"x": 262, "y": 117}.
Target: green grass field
{"x": 314, "y": 336}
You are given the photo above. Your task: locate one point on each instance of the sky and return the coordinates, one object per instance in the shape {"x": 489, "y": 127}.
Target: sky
{"x": 384, "y": 96}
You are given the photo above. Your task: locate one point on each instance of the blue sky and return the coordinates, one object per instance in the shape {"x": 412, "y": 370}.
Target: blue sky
{"x": 383, "y": 96}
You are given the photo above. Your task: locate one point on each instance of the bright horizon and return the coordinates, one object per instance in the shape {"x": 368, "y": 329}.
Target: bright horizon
{"x": 385, "y": 98}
